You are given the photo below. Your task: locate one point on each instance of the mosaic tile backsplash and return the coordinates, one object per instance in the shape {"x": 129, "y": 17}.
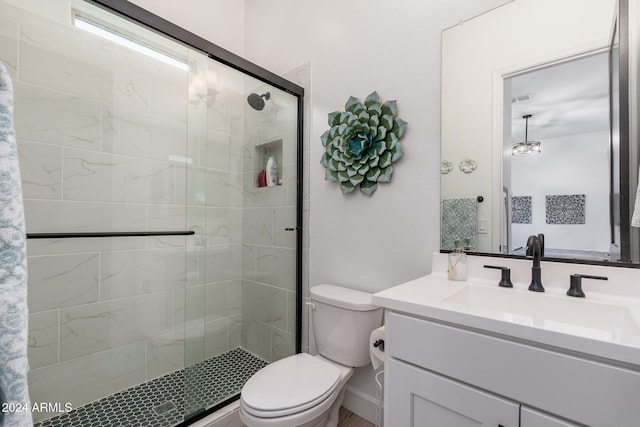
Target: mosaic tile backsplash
{"x": 565, "y": 209}
{"x": 521, "y": 210}
{"x": 459, "y": 221}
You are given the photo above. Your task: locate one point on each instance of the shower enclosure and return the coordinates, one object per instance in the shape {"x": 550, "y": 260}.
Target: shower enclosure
{"x": 161, "y": 275}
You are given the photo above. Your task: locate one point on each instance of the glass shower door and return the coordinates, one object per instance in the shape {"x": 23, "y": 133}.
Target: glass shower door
{"x": 243, "y": 313}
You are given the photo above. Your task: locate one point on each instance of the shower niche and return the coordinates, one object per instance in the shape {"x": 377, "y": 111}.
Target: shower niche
{"x": 262, "y": 153}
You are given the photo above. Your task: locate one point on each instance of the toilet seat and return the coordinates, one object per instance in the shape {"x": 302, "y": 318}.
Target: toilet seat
{"x": 289, "y": 386}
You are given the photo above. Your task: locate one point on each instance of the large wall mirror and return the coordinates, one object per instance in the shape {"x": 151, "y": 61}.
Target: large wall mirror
{"x": 536, "y": 136}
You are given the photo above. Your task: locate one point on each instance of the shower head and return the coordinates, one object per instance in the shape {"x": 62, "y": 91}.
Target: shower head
{"x": 256, "y": 102}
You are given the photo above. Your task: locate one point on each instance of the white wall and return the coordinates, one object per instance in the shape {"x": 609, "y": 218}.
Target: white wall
{"x": 357, "y": 47}
{"x": 354, "y": 48}
{"x": 552, "y": 172}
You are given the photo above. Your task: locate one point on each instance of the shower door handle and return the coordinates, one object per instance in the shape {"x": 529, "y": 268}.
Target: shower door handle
{"x": 292, "y": 229}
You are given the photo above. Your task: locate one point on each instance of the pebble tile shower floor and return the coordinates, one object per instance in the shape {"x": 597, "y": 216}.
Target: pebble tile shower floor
{"x": 161, "y": 401}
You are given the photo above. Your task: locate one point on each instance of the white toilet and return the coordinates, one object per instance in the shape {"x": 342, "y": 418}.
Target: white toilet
{"x": 305, "y": 390}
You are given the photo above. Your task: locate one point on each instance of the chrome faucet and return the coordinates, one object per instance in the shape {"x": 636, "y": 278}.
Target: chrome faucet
{"x": 535, "y": 245}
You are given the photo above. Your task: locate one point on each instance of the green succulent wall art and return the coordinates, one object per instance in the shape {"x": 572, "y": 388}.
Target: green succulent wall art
{"x": 362, "y": 144}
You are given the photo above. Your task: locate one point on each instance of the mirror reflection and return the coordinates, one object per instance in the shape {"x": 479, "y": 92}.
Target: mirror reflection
{"x": 557, "y": 160}
{"x": 530, "y": 132}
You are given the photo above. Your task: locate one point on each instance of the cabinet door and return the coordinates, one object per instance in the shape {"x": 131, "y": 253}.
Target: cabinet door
{"x": 419, "y": 398}
{"x": 533, "y": 418}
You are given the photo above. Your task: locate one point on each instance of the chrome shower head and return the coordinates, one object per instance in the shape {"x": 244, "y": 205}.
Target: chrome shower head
{"x": 256, "y": 101}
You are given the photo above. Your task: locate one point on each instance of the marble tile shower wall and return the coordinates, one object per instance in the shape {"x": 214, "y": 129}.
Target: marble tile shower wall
{"x": 269, "y": 257}
{"x": 96, "y": 126}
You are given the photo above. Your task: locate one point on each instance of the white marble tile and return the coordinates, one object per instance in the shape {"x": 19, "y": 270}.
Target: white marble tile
{"x": 218, "y": 110}
{"x": 191, "y": 185}
{"x": 237, "y": 125}
{"x": 306, "y": 324}
{"x": 223, "y": 189}
{"x": 306, "y": 211}
{"x": 44, "y": 115}
{"x": 76, "y": 62}
{"x": 129, "y": 273}
{"x": 176, "y": 218}
{"x": 249, "y": 262}
{"x": 289, "y": 182}
{"x": 257, "y": 226}
{"x": 235, "y": 225}
{"x": 249, "y": 158}
{"x": 92, "y": 176}
{"x": 189, "y": 307}
{"x": 43, "y": 338}
{"x": 98, "y": 244}
{"x": 234, "y": 331}
{"x": 283, "y": 344}
{"x": 256, "y": 337}
{"x": 217, "y": 226}
{"x": 41, "y": 170}
{"x": 194, "y": 352}
{"x": 288, "y": 134}
{"x": 165, "y": 354}
{"x": 258, "y": 197}
{"x": 133, "y": 133}
{"x": 305, "y": 271}
{"x": 221, "y": 151}
{"x": 168, "y": 92}
{"x": 167, "y": 218}
{"x": 215, "y": 338}
{"x": 88, "y": 378}
{"x": 224, "y": 263}
{"x": 277, "y": 267}
{"x": 284, "y": 218}
{"x": 94, "y": 327}
{"x": 291, "y": 312}
{"x": 306, "y": 159}
{"x": 127, "y": 79}
{"x": 285, "y": 107}
{"x": 62, "y": 280}
{"x": 44, "y": 216}
{"x": 9, "y": 36}
{"x": 222, "y": 299}
{"x": 60, "y": 61}
{"x": 264, "y": 303}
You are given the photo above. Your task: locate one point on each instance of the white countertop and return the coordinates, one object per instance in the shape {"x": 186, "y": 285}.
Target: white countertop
{"x": 601, "y": 325}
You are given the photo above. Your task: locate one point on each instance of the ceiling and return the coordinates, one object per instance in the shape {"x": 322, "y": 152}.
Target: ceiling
{"x": 565, "y": 99}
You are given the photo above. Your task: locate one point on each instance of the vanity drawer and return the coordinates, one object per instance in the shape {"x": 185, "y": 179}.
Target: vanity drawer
{"x": 589, "y": 392}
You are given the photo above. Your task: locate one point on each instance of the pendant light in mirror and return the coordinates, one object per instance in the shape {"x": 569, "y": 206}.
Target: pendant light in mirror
{"x": 526, "y": 146}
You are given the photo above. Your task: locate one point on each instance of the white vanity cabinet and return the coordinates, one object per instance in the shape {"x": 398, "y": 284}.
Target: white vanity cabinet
{"x": 532, "y": 418}
{"x": 417, "y": 397}
{"x": 422, "y": 398}
{"x": 442, "y": 374}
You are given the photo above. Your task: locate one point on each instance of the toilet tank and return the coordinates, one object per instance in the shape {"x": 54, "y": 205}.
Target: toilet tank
{"x": 342, "y": 322}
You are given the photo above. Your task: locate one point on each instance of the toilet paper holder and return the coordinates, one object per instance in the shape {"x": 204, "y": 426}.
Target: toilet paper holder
{"x": 379, "y": 343}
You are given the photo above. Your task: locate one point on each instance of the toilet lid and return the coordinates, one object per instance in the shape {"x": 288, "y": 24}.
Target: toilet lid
{"x": 290, "y": 385}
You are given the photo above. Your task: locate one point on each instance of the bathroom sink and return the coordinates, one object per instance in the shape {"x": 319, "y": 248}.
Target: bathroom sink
{"x": 574, "y": 316}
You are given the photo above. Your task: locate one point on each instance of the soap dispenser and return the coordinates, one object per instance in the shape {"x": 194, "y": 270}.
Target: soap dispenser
{"x": 457, "y": 263}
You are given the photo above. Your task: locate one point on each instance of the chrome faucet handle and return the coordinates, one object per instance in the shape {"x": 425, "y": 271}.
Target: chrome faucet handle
{"x": 505, "y": 280}
{"x": 575, "y": 286}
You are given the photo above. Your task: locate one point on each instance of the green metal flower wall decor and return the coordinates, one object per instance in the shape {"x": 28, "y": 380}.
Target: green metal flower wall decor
{"x": 363, "y": 142}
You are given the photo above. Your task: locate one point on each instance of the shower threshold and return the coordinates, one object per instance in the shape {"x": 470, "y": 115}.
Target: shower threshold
{"x": 161, "y": 401}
